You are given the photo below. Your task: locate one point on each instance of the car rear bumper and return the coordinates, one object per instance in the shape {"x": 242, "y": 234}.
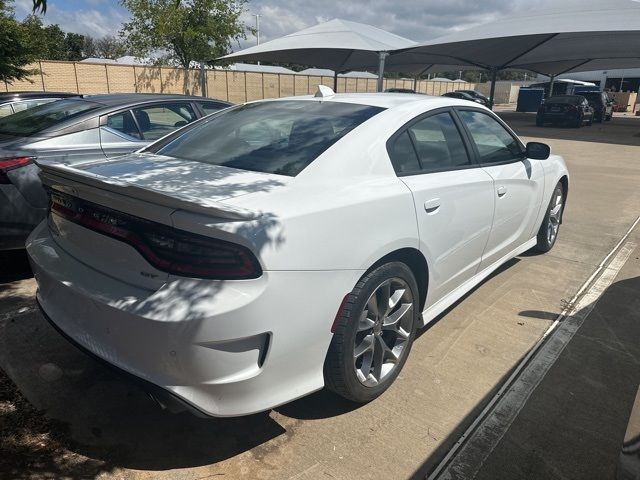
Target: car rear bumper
{"x": 17, "y": 218}
{"x": 222, "y": 348}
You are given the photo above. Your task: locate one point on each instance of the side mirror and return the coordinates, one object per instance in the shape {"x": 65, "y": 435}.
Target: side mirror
{"x": 538, "y": 151}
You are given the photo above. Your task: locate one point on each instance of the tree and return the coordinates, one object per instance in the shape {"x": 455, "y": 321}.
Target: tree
{"x": 183, "y": 32}
{"x": 48, "y": 42}
{"x": 74, "y": 46}
{"x": 15, "y": 51}
{"x": 109, "y": 47}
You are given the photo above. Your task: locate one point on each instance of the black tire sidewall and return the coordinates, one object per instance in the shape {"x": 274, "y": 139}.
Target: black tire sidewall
{"x": 340, "y": 355}
{"x": 543, "y": 244}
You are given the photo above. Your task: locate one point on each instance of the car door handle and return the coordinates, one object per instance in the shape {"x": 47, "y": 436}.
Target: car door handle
{"x": 432, "y": 206}
{"x": 502, "y": 191}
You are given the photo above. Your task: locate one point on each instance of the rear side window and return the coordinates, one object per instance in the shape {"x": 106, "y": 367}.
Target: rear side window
{"x": 494, "y": 143}
{"x": 123, "y": 122}
{"x": 438, "y": 143}
{"x": 36, "y": 119}
{"x": 281, "y": 137}
{"x": 432, "y": 144}
{"x": 403, "y": 155}
{"x": 5, "y": 110}
{"x": 211, "y": 107}
{"x": 156, "y": 121}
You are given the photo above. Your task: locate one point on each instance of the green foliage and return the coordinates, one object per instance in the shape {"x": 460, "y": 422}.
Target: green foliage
{"x": 15, "y": 51}
{"x": 183, "y": 31}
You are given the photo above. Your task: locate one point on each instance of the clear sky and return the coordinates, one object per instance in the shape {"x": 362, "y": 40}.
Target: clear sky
{"x": 418, "y": 20}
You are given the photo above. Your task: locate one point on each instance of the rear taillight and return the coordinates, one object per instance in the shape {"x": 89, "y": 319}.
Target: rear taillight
{"x": 170, "y": 250}
{"x": 7, "y": 164}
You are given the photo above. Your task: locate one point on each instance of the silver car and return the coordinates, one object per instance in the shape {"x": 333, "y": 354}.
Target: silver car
{"x": 78, "y": 130}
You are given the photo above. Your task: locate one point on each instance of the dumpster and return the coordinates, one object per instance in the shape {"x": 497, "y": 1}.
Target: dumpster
{"x": 529, "y": 99}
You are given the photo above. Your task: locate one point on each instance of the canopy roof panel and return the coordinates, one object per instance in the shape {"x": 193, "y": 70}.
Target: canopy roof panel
{"x": 550, "y": 42}
{"x": 337, "y": 45}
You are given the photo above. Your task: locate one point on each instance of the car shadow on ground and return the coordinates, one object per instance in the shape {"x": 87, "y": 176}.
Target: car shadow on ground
{"x": 92, "y": 420}
{"x": 619, "y": 131}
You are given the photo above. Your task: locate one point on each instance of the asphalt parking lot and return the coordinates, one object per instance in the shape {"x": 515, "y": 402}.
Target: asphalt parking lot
{"x": 101, "y": 426}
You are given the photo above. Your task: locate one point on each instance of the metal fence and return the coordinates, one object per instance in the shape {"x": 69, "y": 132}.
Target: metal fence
{"x": 232, "y": 85}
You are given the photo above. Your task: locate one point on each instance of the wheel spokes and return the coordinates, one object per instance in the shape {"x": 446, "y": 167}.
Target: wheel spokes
{"x": 383, "y": 330}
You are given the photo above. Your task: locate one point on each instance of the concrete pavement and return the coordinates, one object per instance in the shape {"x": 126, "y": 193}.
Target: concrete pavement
{"x": 114, "y": 431}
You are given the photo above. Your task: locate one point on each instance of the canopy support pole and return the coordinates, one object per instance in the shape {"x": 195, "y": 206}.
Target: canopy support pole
{"x": 552, "y": 79}
{"x": 494, "y": 74}
{"x": 335, "y": 81}
{"x": 381, "y": 58}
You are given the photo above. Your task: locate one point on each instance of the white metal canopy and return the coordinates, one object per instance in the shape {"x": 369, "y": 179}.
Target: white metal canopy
{"x": 339, "y": 45}
{"x": 549, "y": 42}
{"x": 591, "y": 37}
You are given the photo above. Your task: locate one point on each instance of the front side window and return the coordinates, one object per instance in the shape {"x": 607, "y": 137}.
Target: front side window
{"x": 281, "y": 137}
{"x": 156, "y": 121}
{"x": 494, "y": 143}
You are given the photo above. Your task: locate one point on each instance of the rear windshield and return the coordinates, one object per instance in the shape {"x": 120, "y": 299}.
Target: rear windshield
{"x": 571, "y": 99}
{"x": 280, "y": 137}
{"x": 36, "y": 119}
{"x": 592, "y": 96}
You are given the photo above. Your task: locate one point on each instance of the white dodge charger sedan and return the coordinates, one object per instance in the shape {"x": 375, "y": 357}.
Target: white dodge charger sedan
{"x": 280, "y": 246}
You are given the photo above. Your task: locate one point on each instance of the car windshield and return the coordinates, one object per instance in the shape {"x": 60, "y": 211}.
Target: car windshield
{"x": 571, "y": 99}
{"x": 592, "y": 96}
{"x": 34, "y": 120}
{"x": 281, "y": 137}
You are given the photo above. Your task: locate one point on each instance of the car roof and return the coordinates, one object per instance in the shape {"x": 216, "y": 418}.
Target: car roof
{"x": 124, "y": 99}
{"x": 386, "y": 100}
{"x": 20, "y": 95}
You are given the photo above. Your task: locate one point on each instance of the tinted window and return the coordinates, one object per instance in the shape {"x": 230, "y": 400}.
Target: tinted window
{"x": 37, "y": 119}
{"x": 211, "y": 107}
{"x": 123, "y": 123}
{"x": 281, "y": 137}
{"x": 26, "y": 104}
{"x": 438, "y": 143}
{"x": 494, "y": 143}
{"x": 5, "y": 110}
{"x": 156, "y": 121}
{"x": 570, "y": 99}
{"x": 403, "y": 155}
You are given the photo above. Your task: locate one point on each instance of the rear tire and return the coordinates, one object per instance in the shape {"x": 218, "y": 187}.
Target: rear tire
{"x": 374, "y": 333}
{"x": 548, "y": 233}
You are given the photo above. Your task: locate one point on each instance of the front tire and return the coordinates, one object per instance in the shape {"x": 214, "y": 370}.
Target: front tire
{"x": 374, "y": 333}
{"x": 548, "y": 233}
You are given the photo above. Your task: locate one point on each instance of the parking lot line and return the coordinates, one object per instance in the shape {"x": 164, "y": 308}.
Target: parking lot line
{"x": 475, "y": 445}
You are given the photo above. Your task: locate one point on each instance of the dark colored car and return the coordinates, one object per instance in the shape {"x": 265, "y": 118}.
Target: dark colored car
{"x": 573, "y": 110}
{"x": 463, "y": 96}
{"x": 15, "y": 102}
{"x": 78, "y": 130}
{"x": 601, "y": 104}
{"x": 400, "y": 90}
{"x": 478, "y": 96}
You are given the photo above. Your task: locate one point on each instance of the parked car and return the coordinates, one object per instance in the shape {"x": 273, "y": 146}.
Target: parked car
{"x": 14, "y": 102}
{"x": 571, "y": 110}
{"x": 477, "y": 95}
{"x": 75, "y": 130}
{"x": 400, "y": 90}
{"x": 279, "y": 246}
{"x": 463, "y": 96}
{"x": 601, "y": 104}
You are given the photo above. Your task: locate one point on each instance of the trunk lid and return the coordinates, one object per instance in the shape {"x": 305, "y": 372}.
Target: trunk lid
{"x": 150, "y": 188}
